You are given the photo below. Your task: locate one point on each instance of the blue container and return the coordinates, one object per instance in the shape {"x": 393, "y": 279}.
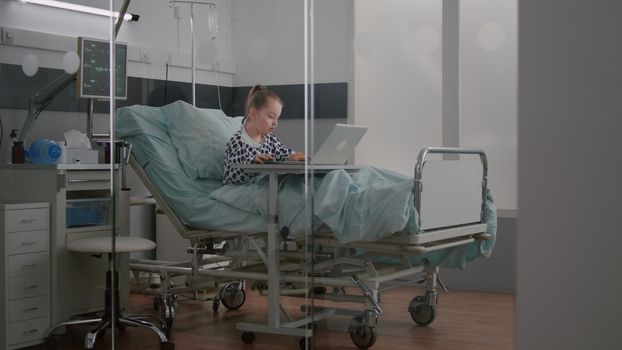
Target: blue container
{"x": 44, "y": 151}
{"x": 87, "y": 212}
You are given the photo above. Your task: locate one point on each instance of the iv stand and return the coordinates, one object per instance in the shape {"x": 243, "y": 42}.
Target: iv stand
{"x": 212, "y": 6}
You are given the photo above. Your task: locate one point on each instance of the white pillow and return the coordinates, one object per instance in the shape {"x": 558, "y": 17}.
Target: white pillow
{"x": 200, "y": 136}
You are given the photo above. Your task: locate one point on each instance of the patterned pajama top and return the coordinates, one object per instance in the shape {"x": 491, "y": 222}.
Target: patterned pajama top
{"x": 240, "y": 150}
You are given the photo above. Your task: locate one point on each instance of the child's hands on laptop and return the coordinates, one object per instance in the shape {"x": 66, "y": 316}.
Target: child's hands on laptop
{"x": 297, "y": 156}
{"x": 264, "y": 158}
{"x": 269, "y": 159}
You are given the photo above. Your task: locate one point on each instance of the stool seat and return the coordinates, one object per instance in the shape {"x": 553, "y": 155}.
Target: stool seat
{"x": 104, "y": 245}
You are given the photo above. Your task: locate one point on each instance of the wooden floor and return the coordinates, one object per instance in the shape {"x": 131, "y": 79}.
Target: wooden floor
{"x": 465, "y": 320}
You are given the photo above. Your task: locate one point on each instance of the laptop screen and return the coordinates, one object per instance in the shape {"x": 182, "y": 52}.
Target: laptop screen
{"x": 339, "y": 146}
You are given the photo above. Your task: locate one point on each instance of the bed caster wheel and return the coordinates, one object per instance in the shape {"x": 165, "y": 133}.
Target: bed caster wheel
{"x": 51, "y": 343}
{"x": 248, "y": 337}
{"x": 215, "y": 304}
{"x": 167, "y": 345}
{"x": 422, "y": 313}
{"x": 363, "y": 337}
{"x": 305, "y": 343}
{"x": 232, "y": 296}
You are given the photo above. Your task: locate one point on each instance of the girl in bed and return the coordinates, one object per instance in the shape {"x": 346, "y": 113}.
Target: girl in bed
{"x": 255, "y": 143}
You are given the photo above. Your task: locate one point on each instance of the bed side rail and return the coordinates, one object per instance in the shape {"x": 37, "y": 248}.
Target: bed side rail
{"x": 421, "y": 159}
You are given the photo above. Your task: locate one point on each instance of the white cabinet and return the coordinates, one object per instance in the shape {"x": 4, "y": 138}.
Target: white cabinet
{"x": 80, "y": 206}
{"x": 24, "y": 274}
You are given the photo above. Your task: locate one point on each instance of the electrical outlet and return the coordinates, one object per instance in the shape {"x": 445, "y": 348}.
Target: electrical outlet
{"x": 7, "y": 36}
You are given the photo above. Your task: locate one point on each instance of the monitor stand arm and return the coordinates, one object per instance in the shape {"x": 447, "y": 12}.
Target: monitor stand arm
{"x": 41, "y": 99}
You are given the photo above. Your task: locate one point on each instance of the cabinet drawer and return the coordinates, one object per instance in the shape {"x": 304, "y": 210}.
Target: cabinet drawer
{"x": 27, "y": 219}
{"x": 29, "y": 308}
{"x": 28, "y": 264}
{"x": 88, "y": 180}
{"x": 28, "y": 242}
{"x": 24, "y": 287}
{"x": 22, "y": 332}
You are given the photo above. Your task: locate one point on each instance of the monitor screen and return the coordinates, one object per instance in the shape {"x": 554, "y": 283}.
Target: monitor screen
{"x": 94, "y": 75}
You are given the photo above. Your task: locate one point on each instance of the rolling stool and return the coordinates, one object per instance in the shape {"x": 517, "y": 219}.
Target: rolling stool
{"x": 103, "y": 245}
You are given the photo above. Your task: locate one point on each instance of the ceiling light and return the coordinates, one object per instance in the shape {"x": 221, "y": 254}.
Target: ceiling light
{"x": 81, "y": 8}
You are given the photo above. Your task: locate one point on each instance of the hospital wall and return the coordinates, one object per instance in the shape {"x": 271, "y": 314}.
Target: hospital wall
{"x": 157, "y": 34}
{"x": 569, "y": 236}
{"x": 268, "y": 42}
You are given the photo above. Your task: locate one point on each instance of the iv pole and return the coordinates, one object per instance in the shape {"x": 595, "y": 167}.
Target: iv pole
{"x": 212, "y": 6}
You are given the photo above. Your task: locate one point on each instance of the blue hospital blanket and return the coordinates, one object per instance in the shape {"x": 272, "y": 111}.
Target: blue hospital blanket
{"x": 366, "y": 205}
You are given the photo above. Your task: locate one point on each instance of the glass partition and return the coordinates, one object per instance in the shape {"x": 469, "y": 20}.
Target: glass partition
{"x": 270, "y": 44}
{"x": 176, "y": 96}
{"x": 434, "y": 85}
{"x": 62, "y": 170}
{"x": 141, "y": 151}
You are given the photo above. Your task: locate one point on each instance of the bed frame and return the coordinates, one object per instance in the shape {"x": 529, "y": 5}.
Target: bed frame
{"x": 269, "y": 257}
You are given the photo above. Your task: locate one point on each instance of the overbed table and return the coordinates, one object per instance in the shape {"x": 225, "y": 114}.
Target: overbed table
{"x": 273, "y": 171}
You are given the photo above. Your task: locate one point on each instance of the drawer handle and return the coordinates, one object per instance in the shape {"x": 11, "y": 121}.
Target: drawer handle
{"x": 86, "y": 180}
{"x": 31, "y": 309}
{"x": 27, "y": 243}
{"x": 30, "y": 331}
{"x": 34, "y": 286}
{"x": 30, "y": 265}
{"x": 27, "y": 221}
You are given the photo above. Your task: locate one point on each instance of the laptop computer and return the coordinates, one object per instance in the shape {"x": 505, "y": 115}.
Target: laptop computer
{"x": 338, "y": 146}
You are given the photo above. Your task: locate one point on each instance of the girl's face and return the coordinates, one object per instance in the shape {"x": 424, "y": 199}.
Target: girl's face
{"x": 265, "y": 119}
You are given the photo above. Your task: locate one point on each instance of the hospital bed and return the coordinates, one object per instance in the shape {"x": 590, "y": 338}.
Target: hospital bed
{"x": 259, "y": 239}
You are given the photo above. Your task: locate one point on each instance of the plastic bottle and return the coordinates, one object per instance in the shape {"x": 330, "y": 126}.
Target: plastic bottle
{"x": 44, "y": 151}
{"x": 16, "y": 153}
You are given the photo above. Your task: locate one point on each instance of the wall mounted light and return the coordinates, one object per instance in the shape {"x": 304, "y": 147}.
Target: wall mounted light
{"x": 81, "y": 8}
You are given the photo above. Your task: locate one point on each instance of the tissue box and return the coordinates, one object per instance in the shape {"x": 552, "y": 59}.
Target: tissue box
{"x": 82, "y": 156}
